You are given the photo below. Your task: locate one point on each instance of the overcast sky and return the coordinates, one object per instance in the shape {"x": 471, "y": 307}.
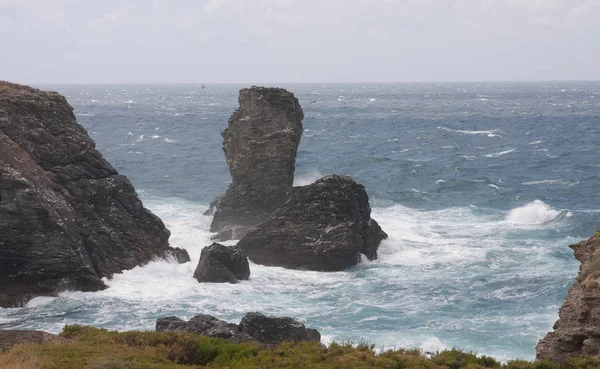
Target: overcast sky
{"x": 266, "y": 41}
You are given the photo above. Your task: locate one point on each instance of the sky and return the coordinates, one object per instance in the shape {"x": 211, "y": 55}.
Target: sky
{"x": 269, "y": 41}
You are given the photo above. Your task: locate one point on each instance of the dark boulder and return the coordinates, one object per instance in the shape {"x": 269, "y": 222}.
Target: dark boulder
{"x": 323, "y": 226}
{"x": 204, "y": 325}
{"x": 260, "y": 145}
{"x": 222, "y": 264}
{"x": 67, "y": 218}
{"x": 253, "y": 327}
{"x": 274, "y": 330}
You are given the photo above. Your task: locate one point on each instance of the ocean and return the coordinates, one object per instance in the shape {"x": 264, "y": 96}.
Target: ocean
{"x": 480, "y": 186}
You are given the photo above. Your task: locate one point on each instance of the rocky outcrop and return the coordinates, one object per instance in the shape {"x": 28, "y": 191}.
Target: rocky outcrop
{"x": 67, "y": 218}
{"x": 577, "y": 331}
{"x": 260, "y": 147}
{"x": 273, "y": 330}
{"x": 253, "y": 327}
{"x": 222, "y": 264}
{"x": 9, "y": 338}
{"x": 202, "y": 324}
{"x": 323, "y": 226}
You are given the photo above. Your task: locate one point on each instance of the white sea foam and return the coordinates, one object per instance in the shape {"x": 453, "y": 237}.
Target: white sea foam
{"x": 437, "y": 246}
{"x": 140, "y": 139}
{"x": 39, "y": 301}
{"x": 489, "y": 133}
{"x": 535, "y": 142}
{"x": 493, "y": 186}
{"x": 547, "y": 181}
{"x": 498, "y": 154}
{"x": 155, "y": 136}
{"x": 432, "y": 346}
{"x": 535, "y": 212}
{"x": 304, "y": 179}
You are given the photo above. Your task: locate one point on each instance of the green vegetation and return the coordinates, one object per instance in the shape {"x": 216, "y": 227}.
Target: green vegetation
{"x": 94, "y": 348}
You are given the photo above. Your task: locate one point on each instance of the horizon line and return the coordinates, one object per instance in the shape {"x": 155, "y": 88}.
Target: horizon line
{"x": 315, "y": 83}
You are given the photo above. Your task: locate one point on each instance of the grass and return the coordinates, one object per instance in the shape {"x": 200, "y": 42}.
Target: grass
{"x": 94, "y": 348}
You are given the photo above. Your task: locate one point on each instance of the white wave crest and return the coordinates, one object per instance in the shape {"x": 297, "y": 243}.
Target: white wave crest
{"x": 489, "y": 133}
{"x": 546, "y": 181}
{"x": 307, "y": 178}
{"x": 498, "y": 154}
{"x": 535, "y": 212}
{"x": 432, "y": 346}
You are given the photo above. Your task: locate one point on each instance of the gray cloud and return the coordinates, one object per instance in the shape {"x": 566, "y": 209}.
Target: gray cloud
{"x": 261, "y": 41}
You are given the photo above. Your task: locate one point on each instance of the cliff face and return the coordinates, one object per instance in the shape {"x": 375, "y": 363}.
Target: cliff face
{"x": 577, "y": 331}
{"x": 260, "y": 147}
{"x": 67, "y": 218}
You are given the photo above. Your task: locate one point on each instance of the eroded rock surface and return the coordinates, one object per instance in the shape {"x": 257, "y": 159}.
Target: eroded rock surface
{"x": 323, "y": 226}
{"x": 260, "y": 145}
{"x": 222, "y": 264}
{"x": 577, "y": 331}
{"x": 253, "y": 327}
{"x": 67, "y": 218}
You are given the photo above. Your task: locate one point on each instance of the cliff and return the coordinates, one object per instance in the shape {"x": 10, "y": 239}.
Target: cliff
{"x": 577, "y": 331}
{"x": 67, "y": 218}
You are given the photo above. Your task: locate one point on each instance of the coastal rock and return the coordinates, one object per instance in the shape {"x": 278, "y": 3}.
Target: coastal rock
{"x": 67, "y": 218}
{"x": 577, "y": 331}
{"x": 253, "y": 327}
{"x": 273, "y": 330}
{"x": 221, "y": 264}
{"x": 260, "y": 145}
{"x": 323, "y": 226}
{"x": 204, "y": 325}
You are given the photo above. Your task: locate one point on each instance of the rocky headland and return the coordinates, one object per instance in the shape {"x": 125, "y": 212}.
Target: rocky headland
{"x": 67, "y": 218}
{"x": 577, "y": 331}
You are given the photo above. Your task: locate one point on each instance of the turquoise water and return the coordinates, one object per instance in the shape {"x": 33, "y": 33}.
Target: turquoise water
{"x": 481, "y": 188}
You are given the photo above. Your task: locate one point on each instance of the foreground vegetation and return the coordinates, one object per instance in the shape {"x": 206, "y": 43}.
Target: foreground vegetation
{"x": 94, "y": 348}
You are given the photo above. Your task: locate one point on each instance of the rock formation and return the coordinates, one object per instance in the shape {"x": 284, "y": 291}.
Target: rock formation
{"x": 67, "y": 218}
{"x": 253, "y": 327}
{"x": 577, "y": 331}
{"x": 222, "y": 264}
{"x": 260, "y": 147}
{"x": 323, "y": 226}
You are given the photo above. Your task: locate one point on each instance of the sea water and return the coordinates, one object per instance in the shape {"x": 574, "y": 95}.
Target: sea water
{"x": 481, "y": 188}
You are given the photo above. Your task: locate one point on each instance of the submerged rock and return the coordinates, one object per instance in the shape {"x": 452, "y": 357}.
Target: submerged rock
{"x": 577, "y": 331}
{"x": 323, "y": 226}
{"x": 221, "y": 264}
{"x": 260, "y": 147}
{"x": 253, "y": 327}
{"x": 67, "y": 218}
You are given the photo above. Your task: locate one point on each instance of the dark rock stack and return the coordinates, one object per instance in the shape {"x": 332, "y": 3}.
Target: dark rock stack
{"x": 260, "y": 147}
{"x": 253, "y": 327}
{"x": 577, "y": 331}
{"x": 323, "y": 226}
{"x": 222, "y": 264}
{"x": 67, "y": 218}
